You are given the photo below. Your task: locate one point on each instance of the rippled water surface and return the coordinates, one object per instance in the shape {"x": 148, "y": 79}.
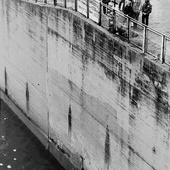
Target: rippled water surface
{"x": 19, "y": 148}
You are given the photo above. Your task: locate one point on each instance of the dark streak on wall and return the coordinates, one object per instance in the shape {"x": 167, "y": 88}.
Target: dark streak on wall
{"x": 123, "y": 87}
{"x": 0, "y": 107}
{"x": 161, "y": 105}
{"x": 69, "y": 119}
{"x": 85, "y": 58}
{"x": 132, "y": 56}
{"x": 107, "y": 147}
{"x": 109, "y": 73}
{"x": 6, "y": 82}
{"x": 70, "y": 84}
{"x": 27, "y": 97}
{"x": 41, "y": 13}
{"x": 88, "y": 33}
{"x": 158, "y": 78}
{"x": 135, "y": 97}
{"x": 77, "y": 31}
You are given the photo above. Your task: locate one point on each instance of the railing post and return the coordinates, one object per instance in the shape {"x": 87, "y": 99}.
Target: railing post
{"x": 100, "y": 15}
{"x": 65, "y": 3}
{"x": 163, "y": 50}
{"x": 87, "y": 8}
{"x": 76, "y": 5}
{"x": 55, "y": 2}
{"x": 128, "y": 33}
{"x": 45, "y": 1}
{"x": 145, "y": 39}
{"x": 114, "y": 3}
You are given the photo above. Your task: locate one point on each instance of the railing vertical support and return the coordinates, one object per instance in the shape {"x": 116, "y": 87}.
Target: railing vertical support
{"x": 145, "y": 39}
{"x": 87, "y": 8}
{"x": 55, "y": 2}
{"x": 100, "y": 14}
{"x": 163, "y": 50}
{"x": 114, "y": 3}
{"x": 76, "y": 4}
{"x": 128, "y": 31}
{"x": 65, "y": 3}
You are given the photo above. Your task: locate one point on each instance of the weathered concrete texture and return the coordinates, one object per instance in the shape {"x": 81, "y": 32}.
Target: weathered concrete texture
{"x": 24, "y": 58}
{"x": 102, "y": 103}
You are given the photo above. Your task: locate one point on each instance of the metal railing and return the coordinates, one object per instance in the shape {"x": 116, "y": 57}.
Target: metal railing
{"x": 145, "y": 38}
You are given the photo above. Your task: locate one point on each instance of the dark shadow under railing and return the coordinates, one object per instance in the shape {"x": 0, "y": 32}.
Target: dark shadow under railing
{"x": 127, "y": 28}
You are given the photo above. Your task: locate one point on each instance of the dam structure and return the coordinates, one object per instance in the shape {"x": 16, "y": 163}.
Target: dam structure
{"x": 95, "y": 101}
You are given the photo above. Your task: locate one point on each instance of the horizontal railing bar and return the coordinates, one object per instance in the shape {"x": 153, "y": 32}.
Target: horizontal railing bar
{"x": 167, "y": 38}
{"x": 154, "y": 55}
{"x": 156, "y": 32}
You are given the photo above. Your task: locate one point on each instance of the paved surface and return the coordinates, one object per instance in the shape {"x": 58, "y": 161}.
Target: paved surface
{"x": 159, "y": 18}
{"x": 19, "y": 148}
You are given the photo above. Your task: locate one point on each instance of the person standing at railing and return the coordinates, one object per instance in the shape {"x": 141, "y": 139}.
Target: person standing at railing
{"x": 137, "y": 6}
{"x": 121, "y": 5}
{"x": 112, "y": 4}
{"x": 128, "y": 10}
{"x": 146, "y": 10}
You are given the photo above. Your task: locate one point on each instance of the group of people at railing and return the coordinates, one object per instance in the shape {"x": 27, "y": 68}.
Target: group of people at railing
{"x": 132, "y": 8}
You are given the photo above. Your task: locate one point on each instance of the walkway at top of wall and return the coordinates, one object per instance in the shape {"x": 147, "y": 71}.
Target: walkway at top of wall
{"x": 155, "y": 59}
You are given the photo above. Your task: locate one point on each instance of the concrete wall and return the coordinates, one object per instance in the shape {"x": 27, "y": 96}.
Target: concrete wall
{"x": 100, "y": 103}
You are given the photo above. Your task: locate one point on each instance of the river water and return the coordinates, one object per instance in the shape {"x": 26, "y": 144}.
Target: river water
{"x": 19, "y": 148}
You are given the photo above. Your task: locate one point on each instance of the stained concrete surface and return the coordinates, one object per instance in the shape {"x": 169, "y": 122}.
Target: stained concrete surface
{"x": 115, "y": 99}
{"x": 19, "y": 148}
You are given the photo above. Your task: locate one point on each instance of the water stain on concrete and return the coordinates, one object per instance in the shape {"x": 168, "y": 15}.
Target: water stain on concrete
{"x": 27, "y": 97}
{"x": 69, "y": 119}
{"x": 135, "y": 97}
{"x": 107, "y": 147}
{"x": 6, "y": 83}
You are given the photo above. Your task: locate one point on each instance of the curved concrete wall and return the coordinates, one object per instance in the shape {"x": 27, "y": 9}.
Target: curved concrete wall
{"x": 99, "y": 102}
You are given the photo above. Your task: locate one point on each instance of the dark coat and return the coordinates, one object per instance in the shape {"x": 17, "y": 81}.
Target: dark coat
{"x": 147, "y": 8}
{"x": 105, "y": 1}
{"x": 128, "y": 10}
